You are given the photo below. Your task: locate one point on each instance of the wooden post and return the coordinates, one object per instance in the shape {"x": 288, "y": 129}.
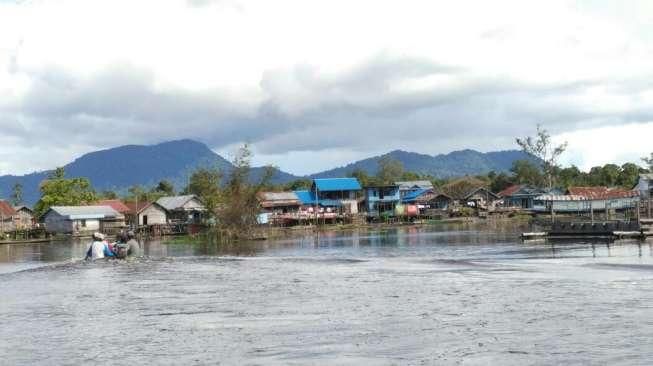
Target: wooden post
{"x": 592, "y": 212}
{"x": 552, "y": 213}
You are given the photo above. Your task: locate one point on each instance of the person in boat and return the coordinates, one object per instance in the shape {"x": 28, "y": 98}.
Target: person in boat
{"x": 134, "y": 247}
{"x": 98, "y": 248}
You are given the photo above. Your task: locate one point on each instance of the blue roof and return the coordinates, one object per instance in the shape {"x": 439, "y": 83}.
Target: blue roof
{"x": 337, "y": 184}
{"x": 306, "y": 197}
{"x": 413, "y": 195}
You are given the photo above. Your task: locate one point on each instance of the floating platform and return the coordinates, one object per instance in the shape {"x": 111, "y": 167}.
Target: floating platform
{"x": 586, "y": 235}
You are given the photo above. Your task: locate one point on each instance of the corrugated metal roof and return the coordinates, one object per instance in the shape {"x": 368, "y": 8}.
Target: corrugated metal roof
{"x": 23, "y": 207}
{"x": 172, "y": 203}
{"x": 305, "y": 197}
{"x": 410, "y": 184}
{"x": 337, "y": 184}
{"x": 509, "y": 191}
{"x": 278, "y": 196}
{"x": 473, "y": 191}
{"x": 274, "y": 199}
{"x": 141, "y": 206}
{"x": 647, "y": 176}
{"x": 602, "y": 192}
{"x": 411, "y": 196}
{"x": 6, "y": 210}
{"x": 560, "y": 197}
{"x": 86, "y": 212}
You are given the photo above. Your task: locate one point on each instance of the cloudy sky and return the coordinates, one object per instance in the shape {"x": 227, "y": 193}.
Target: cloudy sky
{"x": 315, "y": 84}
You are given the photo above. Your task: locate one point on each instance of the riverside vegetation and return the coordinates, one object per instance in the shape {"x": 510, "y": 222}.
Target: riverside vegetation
{"x": 232, "y": 205}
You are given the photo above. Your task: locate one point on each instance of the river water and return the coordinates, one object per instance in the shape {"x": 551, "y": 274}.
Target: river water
{"x": 417, "y": 295}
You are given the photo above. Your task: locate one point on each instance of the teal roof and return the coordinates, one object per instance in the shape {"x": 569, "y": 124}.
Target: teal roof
{"x": 337, "y": 184}
{"x": 306, "y": 197}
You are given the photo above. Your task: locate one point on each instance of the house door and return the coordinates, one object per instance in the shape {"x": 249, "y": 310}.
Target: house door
{"x": 144, "y": 220}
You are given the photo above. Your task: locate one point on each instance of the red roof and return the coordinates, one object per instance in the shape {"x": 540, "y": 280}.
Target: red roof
{"x": 602, "y": 192}
{"x": 509, "y": 191}
{"x": 131, "y": 206}
{"x": 6, "y": 210}
{"x": 117, "y": 205}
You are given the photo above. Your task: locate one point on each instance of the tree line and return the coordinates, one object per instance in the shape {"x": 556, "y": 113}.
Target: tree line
{"x": 543, "y": 170}
{"x": 230, "y": 197}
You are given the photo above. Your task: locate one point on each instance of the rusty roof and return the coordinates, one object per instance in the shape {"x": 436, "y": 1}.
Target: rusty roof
{"x": 509, "y": 191}
{"x": 117, "y": 205}
{"x": 275, "y": 199}
{"x": 6, "y": 210}
{"x": 596, "y": 193}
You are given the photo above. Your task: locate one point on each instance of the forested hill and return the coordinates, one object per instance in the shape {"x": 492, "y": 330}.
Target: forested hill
{"x": 119, "y": 168}
{"x": 454, "y": 164}
{"x": 122, "y": 167}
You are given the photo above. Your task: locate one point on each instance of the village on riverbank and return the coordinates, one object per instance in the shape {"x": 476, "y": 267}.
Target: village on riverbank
{"x": 333, "y": 201}
{"x": 609, "y": 200}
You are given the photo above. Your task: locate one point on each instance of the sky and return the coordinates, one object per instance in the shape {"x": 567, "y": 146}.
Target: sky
{"x": 312, "y": 85}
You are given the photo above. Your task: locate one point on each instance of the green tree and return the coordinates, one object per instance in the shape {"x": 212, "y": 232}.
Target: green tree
{"x": 610, "y": 175}
{"x": 389, "y": 170}
{"x": 297, "y": 185}
{"x": 499, "y": 182}
{"x": 17, "y": 194}
{"x": 237, "y": 213}
{"x": 629, "y": 175}
{"x": 363, "y": 178}
{"x": 205, "y": 184}
{"x": 571, "y": 176}
{"x": 108, "y": 195}
{"x": 57, "y": 190}
{"x": 541, "y": 147}
{"x": 137, "y": 193}
{"x": 526, "y": 172}
{"x": 165, "y": 188}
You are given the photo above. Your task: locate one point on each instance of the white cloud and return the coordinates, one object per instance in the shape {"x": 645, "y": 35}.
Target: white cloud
{"x": 313, "y": 84}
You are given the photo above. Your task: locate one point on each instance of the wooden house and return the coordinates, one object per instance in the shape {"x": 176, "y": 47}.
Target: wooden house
{"x": 183, "y": 209}
{"x": 8, "y": 217}
{"x": 78, "y": 220}
{"x": 339, "y": 193}
{"x": 25, "y": 217}
{"x": 479, "y": 197}
{"x": 381, "y": 201}
{"x": 428, "y": 199}
{"x": 645, "y": 186}
{"x": 279, "y": 202}
{"x": 523, "y": 196}
{"x": 146, "y": 213}
{"x": 587, "y": 199}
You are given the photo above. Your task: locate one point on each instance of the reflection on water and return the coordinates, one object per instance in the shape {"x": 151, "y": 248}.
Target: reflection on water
{"x": 411, "y": 295}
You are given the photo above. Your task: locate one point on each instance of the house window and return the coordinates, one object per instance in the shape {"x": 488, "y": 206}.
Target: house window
{"x": 83, "y": 223}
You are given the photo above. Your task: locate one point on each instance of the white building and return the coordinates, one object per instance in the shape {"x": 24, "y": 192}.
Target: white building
{"x": 148, "y": 213}
{"x": 187, "y": 209}
{"x": 82, "y": 219}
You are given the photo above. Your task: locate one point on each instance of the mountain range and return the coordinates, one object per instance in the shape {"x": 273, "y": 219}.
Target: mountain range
{"x": 122, "y": 167}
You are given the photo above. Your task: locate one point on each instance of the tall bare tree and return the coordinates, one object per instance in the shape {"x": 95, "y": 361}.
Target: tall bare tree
{"x": 542, "y": 148}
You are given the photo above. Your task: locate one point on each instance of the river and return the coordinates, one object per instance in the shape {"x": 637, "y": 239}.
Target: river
{"x": 414, "y": 295}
